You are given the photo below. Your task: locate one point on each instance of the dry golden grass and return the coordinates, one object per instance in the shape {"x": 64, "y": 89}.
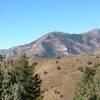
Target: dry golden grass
{"x": 60, "y": 76}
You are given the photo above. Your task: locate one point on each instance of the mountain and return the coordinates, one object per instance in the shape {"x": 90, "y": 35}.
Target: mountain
{"x": 56, "y": 44}
{"x": 92, "y": 39}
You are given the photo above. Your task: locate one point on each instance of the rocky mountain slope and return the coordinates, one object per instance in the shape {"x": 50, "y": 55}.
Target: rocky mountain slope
{"x": 56, "y": 44}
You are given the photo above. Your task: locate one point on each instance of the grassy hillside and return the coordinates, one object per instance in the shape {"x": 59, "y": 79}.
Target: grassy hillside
{"x": 60, "y": 76}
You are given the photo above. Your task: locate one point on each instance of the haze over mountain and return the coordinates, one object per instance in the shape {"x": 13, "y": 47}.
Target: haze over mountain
{"x": 56, "y": 44}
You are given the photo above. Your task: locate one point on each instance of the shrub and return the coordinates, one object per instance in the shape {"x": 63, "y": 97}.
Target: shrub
{"x": 45, "y": 72}
{"x": 57, "y": 62}
{"x": 56, "y": 92}
{"x": 89, "y": 62}
{"x": 58, "y": 67}
{"x": 61, "y": 96}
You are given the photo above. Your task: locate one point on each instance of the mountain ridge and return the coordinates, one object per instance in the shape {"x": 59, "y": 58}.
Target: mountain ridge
{"x": 56, "y": 43}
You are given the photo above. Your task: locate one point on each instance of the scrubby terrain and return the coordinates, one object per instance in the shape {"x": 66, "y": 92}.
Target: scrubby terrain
{"x": 61, "y": 75}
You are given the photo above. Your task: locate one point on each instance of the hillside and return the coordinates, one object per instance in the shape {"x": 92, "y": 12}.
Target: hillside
{"x": 56, "y": 44}
{"x": 60, "y": 76}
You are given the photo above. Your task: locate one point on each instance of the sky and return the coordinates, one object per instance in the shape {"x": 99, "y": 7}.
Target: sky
{"x": 23, "y": 21}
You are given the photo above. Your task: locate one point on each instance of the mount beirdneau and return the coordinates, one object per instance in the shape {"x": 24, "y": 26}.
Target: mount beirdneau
{"x": 56, "y": 44}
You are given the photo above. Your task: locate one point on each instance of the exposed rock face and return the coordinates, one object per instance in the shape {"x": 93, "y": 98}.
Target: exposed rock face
{"x": 92, "y": 39}
{"x": 58, "y": 44}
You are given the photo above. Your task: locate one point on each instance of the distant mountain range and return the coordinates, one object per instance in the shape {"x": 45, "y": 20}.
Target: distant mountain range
{"x": 56, "y": 44}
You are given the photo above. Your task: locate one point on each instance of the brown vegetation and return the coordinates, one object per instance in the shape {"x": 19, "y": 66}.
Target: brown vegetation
{"x": 60, "y": 84}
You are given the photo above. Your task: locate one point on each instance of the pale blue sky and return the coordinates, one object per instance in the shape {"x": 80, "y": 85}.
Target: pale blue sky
{"x": 22, "y": 21}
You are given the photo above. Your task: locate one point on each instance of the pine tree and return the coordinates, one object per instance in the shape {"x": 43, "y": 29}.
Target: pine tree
{"x": 28, "y": 82}
{"x": 17, "y": 89}
{"x": 86, "y": 86}
{"x": 19, "y": 83}
{"x": 0, "y": 82}
{"x": 6, "y": 82}
{"x": 97, "y": 82}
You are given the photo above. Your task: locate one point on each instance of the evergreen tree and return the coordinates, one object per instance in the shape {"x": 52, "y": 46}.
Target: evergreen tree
{"x": 86, "y": 86}
{"x": 17, "y": 89}
{"x": 29, "y": 84}
{"x": 6, "y": 83}
{"x": 0, "y": 82}
{"x": 97, "y": 82}
{"x": 19, "y": 83}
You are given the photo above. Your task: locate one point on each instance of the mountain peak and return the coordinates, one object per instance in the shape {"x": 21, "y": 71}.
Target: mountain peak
{"x": 55, "y": 33}
{"x": 94, "y": 32}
